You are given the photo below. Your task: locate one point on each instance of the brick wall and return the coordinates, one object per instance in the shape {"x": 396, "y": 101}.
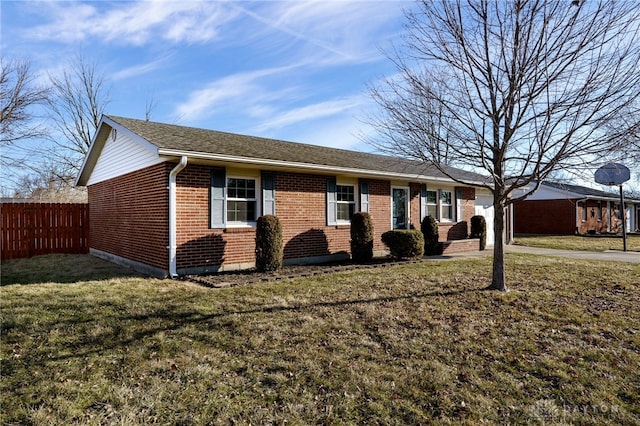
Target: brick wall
{"x": 559, "y": 217}
{"x": 300, "y": 206}
{"x": 592, "y": 223}
{"x": 414, "y": 204}
{"x": 468, "y": 202}
{"x": 459, "y": 246}
{"x": 552, "y": 217}
{"x": 197, "y": 244}
{"x": 129, "y": 216}
{"x": 380, "y": 210}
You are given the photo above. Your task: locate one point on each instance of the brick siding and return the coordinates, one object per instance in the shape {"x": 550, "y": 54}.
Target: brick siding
{"x": 551, "y": 217}
{"x": 129, "y": 216}
{"x": 558, "y": 217}
{"x": 300, "y": 206}
{"x": 459, "y": 246}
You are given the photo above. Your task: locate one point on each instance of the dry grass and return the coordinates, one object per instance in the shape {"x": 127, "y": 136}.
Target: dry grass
{"x": 577, "y": 242}
{"x": 412, "y": 344}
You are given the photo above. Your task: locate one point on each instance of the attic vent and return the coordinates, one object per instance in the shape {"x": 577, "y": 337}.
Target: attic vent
{"x": 114, "y": 134}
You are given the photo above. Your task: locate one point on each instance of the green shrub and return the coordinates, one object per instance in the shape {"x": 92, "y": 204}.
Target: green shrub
{"x": 269, "y": 252}
{"x": 405, "y": 243}
{"x": 361, "y": 237}
{"x": 429, "y": 228}
{"x": 479, "y": 230}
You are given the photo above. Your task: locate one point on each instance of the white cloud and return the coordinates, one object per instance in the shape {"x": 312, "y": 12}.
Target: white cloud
{"x": 340, "y": 131}
{"x": 135, "y": 23}
{"x": 336, "y": 31}
{"x": 242, "y": 91}
{"x": 314, "y": 111}
{"x": 137, "y": 70}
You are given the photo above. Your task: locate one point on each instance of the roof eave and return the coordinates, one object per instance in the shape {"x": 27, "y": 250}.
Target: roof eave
{"x": 300, "y": 166}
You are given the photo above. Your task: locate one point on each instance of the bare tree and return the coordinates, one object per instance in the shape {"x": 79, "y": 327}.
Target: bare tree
{"x": 628, "y": 145}
{"x": 150, "y": 105}
{"x": 46, "y": 184}
{"x": 513, "y": 89}
{"x": 20, "y": 124}
{"x": 79, "y": 100}
{"x": 19, "y": 93}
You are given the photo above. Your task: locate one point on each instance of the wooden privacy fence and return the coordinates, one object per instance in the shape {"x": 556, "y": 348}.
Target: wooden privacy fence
{"x": 30, "y": 229}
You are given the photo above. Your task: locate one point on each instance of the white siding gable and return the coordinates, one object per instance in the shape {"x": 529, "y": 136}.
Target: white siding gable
{"x": 548, "y": 193}
{"x": 121, "y": 156}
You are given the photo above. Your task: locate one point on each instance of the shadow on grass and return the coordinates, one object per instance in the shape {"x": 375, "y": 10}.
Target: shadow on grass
{"x": 60, "y": 269}
{"x": 175, "y": 321}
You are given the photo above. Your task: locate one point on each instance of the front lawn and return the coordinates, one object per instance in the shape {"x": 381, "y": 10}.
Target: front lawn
{"x": 410, "y": 344}
{"x": 577, "y": 242}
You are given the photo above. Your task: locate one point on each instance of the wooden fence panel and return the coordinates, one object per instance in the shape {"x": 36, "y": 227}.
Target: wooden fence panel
{"x": 31, "y": 229}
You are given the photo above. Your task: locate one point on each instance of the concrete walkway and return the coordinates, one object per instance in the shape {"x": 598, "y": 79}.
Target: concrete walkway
{"x": 614, "y": 255}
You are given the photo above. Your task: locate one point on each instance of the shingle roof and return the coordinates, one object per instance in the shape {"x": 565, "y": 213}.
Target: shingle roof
{"x": 194, "y": 140}
{"x": 583, "y": 190}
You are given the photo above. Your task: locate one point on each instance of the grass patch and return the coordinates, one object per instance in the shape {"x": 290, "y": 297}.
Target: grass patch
{"x": 410, "y": 344}
{"x": 577, "y": 242}
{"x": 59, "y": 269}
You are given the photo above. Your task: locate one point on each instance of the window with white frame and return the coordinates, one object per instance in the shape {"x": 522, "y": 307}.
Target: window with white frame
{"x": 241, "y": 200}
{"x": 446, "y": 206}
{"x": 432, "y": 204}
{"x": 341, "y": 200}
{"x": 235, "y": 198}
{"x": 345, "y": 202}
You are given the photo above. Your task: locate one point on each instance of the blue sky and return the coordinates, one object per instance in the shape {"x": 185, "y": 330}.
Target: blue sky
{"x": 288, "y": 70}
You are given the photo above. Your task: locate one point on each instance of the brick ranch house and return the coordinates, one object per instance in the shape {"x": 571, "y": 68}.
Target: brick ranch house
{"x": 563, "y": 209}
{"x": 169, "y": 200}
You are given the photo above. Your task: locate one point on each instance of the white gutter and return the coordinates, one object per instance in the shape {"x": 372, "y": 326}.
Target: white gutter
{"x": 303, "y": 166}
{"x": 173, "y": 246}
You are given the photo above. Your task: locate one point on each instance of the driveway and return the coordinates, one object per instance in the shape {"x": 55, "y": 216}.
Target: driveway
{"x": 615, "y": 255}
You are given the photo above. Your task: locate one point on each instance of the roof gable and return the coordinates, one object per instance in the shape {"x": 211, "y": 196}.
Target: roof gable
{"x": 116, "y": 151}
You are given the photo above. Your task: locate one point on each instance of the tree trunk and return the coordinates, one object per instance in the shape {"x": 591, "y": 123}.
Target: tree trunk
{"x": 498, "y": 278}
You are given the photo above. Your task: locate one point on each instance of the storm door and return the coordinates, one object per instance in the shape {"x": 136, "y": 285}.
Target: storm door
{"x": 400, "y": 208}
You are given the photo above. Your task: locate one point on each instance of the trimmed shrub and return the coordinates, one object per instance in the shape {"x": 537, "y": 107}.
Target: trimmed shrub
{"x": 361, "y": 237}
{"x": 269, "y": 252}
{"x": 404, "y": 243}
{"x": 479, "y": 230}
{"x": 429, "y": 228}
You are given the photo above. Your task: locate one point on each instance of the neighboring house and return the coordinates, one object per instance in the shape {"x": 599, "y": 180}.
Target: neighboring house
{"x": 171, "y": 200}
{"x": 562, "y": 209}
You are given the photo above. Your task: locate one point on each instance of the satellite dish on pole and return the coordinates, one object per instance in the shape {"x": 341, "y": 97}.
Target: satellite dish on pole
{"x": 616, "y": 174}
{"x": 613, "y": 174}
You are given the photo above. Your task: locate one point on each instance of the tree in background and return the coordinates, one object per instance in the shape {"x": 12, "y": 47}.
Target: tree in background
{"x": 20, "y": 93}
{"x": 514, "y": 90}
{"x": 78, "y": 100}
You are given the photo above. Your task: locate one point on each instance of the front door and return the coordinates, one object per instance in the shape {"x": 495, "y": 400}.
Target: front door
{"x": 400, "y": 208}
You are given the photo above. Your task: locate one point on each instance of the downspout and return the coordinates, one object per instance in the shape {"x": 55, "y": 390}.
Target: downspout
{"x": 173, "y": 216}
